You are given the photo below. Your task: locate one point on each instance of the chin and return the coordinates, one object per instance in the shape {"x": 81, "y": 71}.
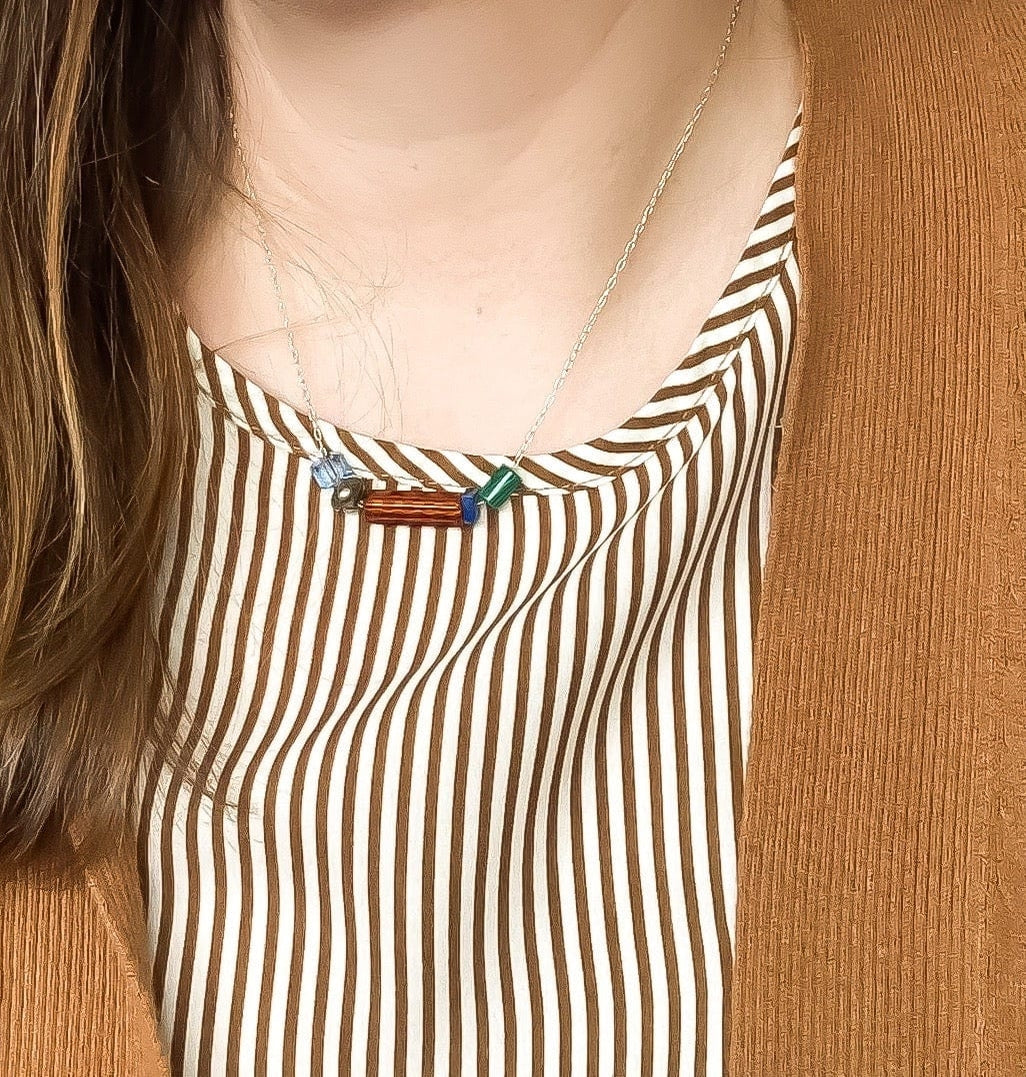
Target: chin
{"x": 347, "y": 11}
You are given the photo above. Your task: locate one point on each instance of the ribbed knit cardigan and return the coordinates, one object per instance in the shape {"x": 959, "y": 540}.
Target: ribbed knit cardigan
{"x": 881, "y": 924}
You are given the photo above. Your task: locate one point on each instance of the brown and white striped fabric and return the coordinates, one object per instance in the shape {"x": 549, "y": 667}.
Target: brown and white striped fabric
{"x": 465, "y": 801}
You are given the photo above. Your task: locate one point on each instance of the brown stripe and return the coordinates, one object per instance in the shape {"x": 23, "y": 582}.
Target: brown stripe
{"x": 216, "y": 740}
{"x": 244, "y": 802}
{"x": 600, "y": 778}
{"x": 460, "y": 857}
{"x": 184, "y": 509}
{"x": 358, "y": 719}
{"x": 306, "y": 554}
{"x": 732, "y": 596}
{"x": 567, "y": 738}
{"x": 195, "y": 728}
{"x": 419, "y": 673}
{"x": 397, "y": 640}
{"x": 356, "y": 576}
{"x": 725, "y": 487}
{"x": 321, "y": 655}
{"x": 431, "y": 813}
{"x": 554, "y": 926}
{"x": 535, "y": 1015}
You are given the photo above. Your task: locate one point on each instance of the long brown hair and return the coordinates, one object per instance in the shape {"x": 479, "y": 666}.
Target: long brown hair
{"x": 111, "y": 127}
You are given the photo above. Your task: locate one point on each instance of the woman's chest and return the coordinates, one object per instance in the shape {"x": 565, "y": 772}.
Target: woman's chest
{"x": 461, "y": 783}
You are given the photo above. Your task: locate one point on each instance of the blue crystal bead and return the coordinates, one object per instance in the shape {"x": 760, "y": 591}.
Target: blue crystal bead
{"x": 470, "y": 508}
{"x": 329, "y": 471}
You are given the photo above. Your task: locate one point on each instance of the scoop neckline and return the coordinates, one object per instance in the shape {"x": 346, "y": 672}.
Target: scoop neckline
{"x": 625, "y": 447}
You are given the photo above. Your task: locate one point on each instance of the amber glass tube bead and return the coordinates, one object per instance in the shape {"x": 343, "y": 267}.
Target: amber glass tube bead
{"x": 424, "y": 508}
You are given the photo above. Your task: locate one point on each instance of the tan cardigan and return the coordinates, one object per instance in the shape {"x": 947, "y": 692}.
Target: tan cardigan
{"x": 882, "y": 908}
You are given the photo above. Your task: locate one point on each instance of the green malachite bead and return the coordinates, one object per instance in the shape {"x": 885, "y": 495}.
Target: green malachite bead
{"x": 500, "y": 487}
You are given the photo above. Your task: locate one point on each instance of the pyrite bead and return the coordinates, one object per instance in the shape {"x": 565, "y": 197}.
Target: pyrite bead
{"x": 349, "y": 494}
{"x": 502, "y": 484}
{"x": 416, "y": 508}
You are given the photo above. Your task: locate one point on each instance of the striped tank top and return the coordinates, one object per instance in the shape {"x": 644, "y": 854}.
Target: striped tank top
{"x": 466, "y": 800}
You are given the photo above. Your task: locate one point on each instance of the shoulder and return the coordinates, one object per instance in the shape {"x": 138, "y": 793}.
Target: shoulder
{"x": 928, "y": 95}
{"x": 919, "y": 44}
{"x": 72, "y": 1000}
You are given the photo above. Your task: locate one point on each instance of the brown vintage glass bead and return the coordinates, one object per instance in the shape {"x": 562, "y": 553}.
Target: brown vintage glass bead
{"x": 428, "y": 508}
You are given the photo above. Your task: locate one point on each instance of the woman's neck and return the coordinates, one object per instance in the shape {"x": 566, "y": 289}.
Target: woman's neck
{"x": 447, "y": 185}
{"x": 410, "y": 111}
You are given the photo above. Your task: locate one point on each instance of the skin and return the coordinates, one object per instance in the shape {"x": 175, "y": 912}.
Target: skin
{"x": 449, "y": 184}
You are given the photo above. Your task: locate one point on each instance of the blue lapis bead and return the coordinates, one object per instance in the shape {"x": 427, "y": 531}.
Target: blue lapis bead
{"x": 470, "y": 508}
{"x": 329, "y": 471}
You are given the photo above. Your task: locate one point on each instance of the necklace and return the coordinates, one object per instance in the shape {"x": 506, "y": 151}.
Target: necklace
{"x": 440, "y": 508}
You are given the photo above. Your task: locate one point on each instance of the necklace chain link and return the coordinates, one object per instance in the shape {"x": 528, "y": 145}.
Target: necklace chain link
{"x": 589, "y": 325}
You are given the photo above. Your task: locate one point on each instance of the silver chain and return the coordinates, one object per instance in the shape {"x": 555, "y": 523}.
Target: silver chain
{"x": 276, "y": 285}
{"x": 611, "y": 283}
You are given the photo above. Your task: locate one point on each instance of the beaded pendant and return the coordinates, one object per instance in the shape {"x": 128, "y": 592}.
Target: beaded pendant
{"x": 436, "y": 508}
{"x": 414, "y": 508}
